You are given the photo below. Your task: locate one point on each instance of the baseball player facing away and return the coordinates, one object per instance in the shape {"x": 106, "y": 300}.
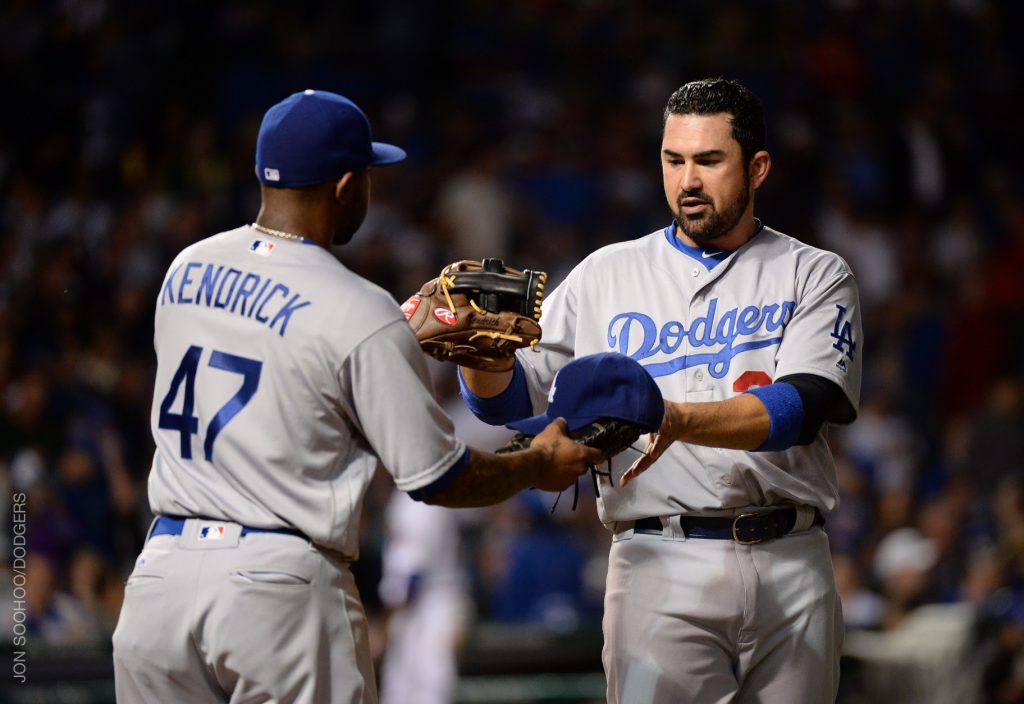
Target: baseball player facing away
{"x": 720, "y": 585}
{"x": 282, "y": 379}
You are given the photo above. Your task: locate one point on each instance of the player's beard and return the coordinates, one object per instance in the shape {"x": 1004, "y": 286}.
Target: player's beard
{"x": 712, "y": 224}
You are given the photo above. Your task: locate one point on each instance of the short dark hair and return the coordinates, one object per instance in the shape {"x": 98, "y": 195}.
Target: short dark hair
{"x": 711, "y": 96}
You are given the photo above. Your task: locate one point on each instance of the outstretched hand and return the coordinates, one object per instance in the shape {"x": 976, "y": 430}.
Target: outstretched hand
{"x": 566, "y": 459}
{"x": 657, "y": 443}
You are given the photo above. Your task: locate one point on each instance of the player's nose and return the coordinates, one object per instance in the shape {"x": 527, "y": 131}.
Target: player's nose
{"x": 689, "y": 180}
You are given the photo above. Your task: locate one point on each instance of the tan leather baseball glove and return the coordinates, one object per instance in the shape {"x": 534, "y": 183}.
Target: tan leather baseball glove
{"x": 478, "y": 313}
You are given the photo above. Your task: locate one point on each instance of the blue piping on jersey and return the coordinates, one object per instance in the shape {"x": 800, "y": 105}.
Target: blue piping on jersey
{"x": 441, "y": 483}
{"x": 709, "y": 257}
{"x": 511, "y": 404}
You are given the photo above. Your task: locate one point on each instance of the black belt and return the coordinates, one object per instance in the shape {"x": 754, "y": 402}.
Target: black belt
{"x": 174, "y": 525}
{"x": 747, "y": 528}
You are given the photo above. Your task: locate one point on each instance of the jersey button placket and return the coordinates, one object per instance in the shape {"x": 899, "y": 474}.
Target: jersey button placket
{"x": 692, "y": 375}
{"x": 698, "y": 386}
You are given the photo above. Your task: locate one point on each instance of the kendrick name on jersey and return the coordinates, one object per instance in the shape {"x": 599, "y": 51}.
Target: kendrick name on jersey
{"x": 235, "y": 291}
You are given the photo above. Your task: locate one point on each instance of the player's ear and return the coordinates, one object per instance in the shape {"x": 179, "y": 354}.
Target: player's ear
{"x": 760, "y": 165}
{"x": 342, "y": 185}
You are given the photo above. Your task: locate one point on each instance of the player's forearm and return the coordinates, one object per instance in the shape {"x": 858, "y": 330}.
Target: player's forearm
{"x": 486, "y": 384}
{"x": 740, "y": 423}
{"x": 490, "y": 479}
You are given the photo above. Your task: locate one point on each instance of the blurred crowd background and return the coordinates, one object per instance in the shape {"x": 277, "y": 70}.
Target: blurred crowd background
{"x": 533, "y": 130}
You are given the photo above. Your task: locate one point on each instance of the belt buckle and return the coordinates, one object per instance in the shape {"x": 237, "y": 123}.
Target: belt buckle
{"x": 736, "y": 537}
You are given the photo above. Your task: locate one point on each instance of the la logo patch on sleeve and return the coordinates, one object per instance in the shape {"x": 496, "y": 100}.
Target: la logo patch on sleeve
{"x": 842, "y": 333}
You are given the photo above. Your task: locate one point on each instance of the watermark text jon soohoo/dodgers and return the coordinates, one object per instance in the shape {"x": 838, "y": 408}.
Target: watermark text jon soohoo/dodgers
{"x": 19, "y": 666}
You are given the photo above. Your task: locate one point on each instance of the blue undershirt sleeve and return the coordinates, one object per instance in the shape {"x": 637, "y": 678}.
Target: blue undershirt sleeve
{"x": 786, "y": 413}
{"x": 511, "y": 404}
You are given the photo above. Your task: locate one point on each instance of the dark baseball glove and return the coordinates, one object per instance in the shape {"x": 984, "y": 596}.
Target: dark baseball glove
{"x": 609, "y": 435}
{"x": 477, "y": 314}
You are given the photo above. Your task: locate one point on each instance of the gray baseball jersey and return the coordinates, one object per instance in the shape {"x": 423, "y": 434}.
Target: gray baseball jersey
{"x": 707, "y": 326}
{"x": 278, "y": 384}
{"x": 699, "y": 620}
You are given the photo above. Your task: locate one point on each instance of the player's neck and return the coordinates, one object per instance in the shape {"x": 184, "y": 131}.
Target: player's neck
{"x": 305, "y": 225}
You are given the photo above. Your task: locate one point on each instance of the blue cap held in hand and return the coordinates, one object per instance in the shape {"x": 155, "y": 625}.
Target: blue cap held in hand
{"x": 314, "y": 137}
{"x": 605, "y": 385}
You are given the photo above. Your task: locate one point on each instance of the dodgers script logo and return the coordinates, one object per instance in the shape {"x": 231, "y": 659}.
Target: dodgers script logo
{"x": 638, "y": 336}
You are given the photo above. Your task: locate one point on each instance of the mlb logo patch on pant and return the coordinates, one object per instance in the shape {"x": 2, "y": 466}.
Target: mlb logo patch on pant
{"x": 212, "y": 532}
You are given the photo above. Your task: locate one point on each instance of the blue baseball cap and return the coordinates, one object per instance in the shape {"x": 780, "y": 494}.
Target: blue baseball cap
{"x": 314, "y": 137}
{"x": 605, "y": 385}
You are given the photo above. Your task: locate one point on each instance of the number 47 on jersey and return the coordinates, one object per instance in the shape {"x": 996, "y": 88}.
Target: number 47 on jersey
{"x": 184, "y": 379}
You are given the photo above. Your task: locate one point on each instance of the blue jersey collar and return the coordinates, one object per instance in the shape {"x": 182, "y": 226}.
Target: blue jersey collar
{"x": 710, "y": 257}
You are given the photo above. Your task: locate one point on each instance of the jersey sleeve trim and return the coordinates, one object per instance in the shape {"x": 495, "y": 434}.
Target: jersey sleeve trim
{"x": 511, "y": 404}
{"x": 442, "y": 482}
{"x": 450, "y": 461}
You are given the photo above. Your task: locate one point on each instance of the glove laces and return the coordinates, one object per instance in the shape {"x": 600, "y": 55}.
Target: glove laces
{"x": 447, "y": 281}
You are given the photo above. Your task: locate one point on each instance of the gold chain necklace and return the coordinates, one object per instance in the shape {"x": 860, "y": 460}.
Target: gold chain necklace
{"x": 276, "y": 233}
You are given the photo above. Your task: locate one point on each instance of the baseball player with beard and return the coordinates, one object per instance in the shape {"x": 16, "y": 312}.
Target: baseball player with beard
{"x": 282, "y": 380}
{"x": 720, "y": 585}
